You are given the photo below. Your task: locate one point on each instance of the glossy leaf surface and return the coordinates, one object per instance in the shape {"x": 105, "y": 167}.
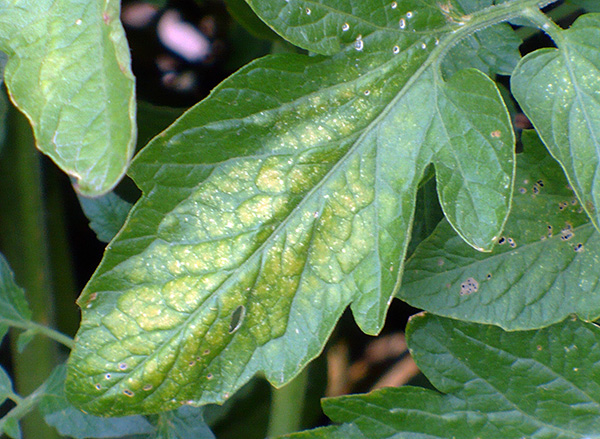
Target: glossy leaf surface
{"x": 284, "y": 197}
{"x": 542, "y": 384}
{"x": 541, "y": 272}
{"x": 559, "y": 90}
{"x": 69, "y": 73}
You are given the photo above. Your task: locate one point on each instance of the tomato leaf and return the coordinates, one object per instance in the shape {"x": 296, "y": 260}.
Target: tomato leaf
{"x": 285, "y": 196}
{"x": 542, "y": 384}
{"x": 538, "y": 275}
{"x": 559, "y": 90}
{"x": 69, "y": 72}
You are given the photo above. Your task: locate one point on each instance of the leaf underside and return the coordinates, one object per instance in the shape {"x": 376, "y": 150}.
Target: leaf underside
{"x": 539, "y": 274}
{"x": 68, "y": 71}
{"x": 542, "y": 385}
{"x": 285, "y": 196}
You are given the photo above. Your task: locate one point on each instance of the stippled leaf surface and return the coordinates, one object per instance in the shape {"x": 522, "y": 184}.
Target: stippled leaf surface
{"x": 284, "y": 197}
{"x": 559, "y": 90}
{"x": 71, "y": 422}
{"x": 542, "y": 271}
{"x": 68, "y": 71}
{"x": 495, "y": 384}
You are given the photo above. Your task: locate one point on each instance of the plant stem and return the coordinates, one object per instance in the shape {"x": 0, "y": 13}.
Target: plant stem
{"x": 24, "y": 241}
{"x": 25, "y": 406}
{"x": 43, "y": 330}
{"x": 287, "y": 406}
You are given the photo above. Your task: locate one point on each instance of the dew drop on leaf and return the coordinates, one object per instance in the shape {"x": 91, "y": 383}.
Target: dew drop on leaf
{"x": 394, "y": 5}
{"x": 345, "y": 27}
{"x": 396, "y": 49}
{"x": 402, "y": 23}
{"x": 358, "y": 44}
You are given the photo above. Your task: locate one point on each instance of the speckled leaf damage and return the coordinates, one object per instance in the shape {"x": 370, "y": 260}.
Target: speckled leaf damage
{"x": 285, "y": 196}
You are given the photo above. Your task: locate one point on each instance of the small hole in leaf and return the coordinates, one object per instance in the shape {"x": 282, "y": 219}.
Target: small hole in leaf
{"x": 237, "y": 318}
{"x": 489, "y": 276}
{"x": 147, "y": 387}
{"x": 123, "y": 366}
{"x": 107, "y": 376}
{"x": 206, "y": 352}
{"x": 209, "y": 376}
{"x": 522, "y": 190}
{"x": 578, "y": 248}
{"x": 97, "y": 386}
{"x": 502, "y": 240}
{"x": 128, "y": 392}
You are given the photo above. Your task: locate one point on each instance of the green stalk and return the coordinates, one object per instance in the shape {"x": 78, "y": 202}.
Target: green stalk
{"x": 24, "y": 242}
{"x": 287, "y": 406}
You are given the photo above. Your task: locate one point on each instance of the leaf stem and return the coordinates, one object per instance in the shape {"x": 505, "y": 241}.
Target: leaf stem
{"x": 24, "y": 405}
{"x": 44, "y": 330}
{"x": 287, "y": 405}
{"x": 544, "y": 23}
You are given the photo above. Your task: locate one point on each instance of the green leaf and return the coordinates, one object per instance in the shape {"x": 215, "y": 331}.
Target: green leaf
{"x": 11, "y": 427}
{"x": 496, "y": 384}
{"x": 244, "y": 15}
{"x": 24, "y": 338}
{"x": 13, "y": 304}
{"x": 494, "y": 50}
{"x": 589, "y": 5}
{"x": 537, "y": 276}
{"x": 106, "y": 213}
{"x": 69, "y": 72}
{"x": 183, "y": 423}
{"x": 69, "y": 421}
{"x": 559, "y": 91}
{"x": 284, "y": 197}
{"x": 6, "y": 388}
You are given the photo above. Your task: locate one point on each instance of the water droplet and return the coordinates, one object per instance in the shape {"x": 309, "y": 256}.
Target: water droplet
{"x": 423, "y": 46}
{"x": 367, "y": 92}
{"x": 578, "y": 248}
{"x": 409, "y": 14}
{"x": 394, "y": 5}
{"x": 107, "y": 376}
{"x": 97, "y": 386}
{"x": 78, "y": 22}
{"x": 522, "y": 190}
{"x": 308, "y": 11}
{"x": 402, "y": 23}
{"x": 437, "y": 41}
{"x": 209, "y": 376}
{"x": 345, "y": 27}
{"x": 396, "y": 49}
{"x": 489, "y": 276}
{"x": 122, "y": 366}
{"x": 359, "y": 44}
{"x": 237, "y": 318}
